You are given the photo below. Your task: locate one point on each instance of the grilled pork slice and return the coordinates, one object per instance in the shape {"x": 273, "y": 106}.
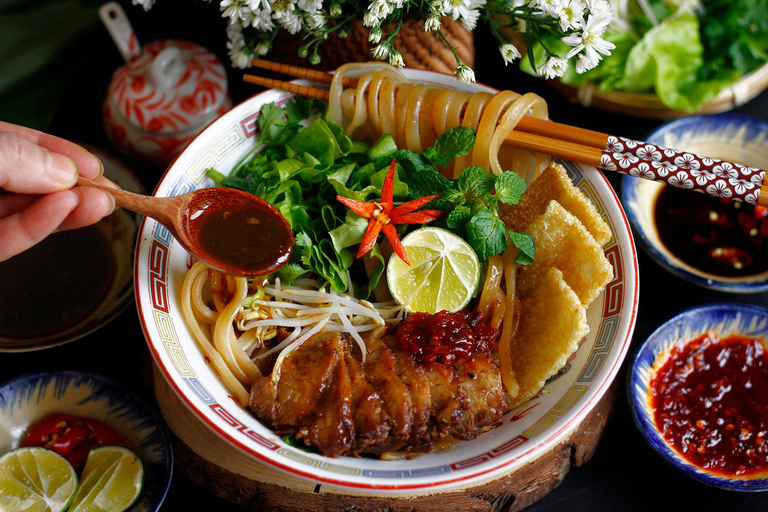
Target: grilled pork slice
{"x": 325, "y": 395}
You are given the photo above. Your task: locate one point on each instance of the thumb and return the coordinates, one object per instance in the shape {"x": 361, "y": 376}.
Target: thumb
{"x": 27, "y": 168}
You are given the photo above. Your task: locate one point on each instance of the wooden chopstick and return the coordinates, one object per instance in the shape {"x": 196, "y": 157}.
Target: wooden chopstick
{"x": 608, "y": 152}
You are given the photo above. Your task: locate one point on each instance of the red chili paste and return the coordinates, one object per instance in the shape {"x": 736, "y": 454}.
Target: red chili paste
{"x": 445, "y": 337}
{"x": 710, "y": 402}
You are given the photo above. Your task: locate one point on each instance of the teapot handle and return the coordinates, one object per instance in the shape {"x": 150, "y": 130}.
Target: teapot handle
{"x": 114, "y": 18}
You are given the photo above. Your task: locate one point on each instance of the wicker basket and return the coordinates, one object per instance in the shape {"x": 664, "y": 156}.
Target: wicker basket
{"x": 649, "y": 105}
{"x": 420, "y": 49}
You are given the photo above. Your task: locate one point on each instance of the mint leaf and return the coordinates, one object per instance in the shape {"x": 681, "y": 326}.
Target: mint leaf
{"x": 427, "y": 182}
{"x": 524, "y": 242}
{"x": 487, "y": 234}
{"x": 458, "y": 217}
{"x": 457, "y": 141}
{"x": 290, "y": 272}
{"x": 509, "y": 187}
{"x": 476, "y": 181}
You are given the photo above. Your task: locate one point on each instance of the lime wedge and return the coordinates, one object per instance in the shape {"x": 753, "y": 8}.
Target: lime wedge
{"x": 34, "y": 479}
{"x": 111, "y": 481}
{"x": 443, "y": 275}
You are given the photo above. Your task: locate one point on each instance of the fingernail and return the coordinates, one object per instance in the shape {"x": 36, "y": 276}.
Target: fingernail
{"x": 61, "y": 169}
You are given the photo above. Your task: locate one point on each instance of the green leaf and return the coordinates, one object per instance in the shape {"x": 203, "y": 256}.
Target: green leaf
{"x": 509, "y": 187}
{"x": 290, "y": 272}
{"x": 400, "y": 188}
{"x": 317, "y": 140}
{"x": 295, "y": 214}
{"x": 428, "y": 182}
{"x": 216, "y": 176}
{"x": 524, "y": 242}
{"x": 476, "y": 181}
{"x": 455, "y": 142}
{"x": 486, "y": 233}
{"x": 383, "y": 147}
{"x": 273, "y": 124}
{"x": 458, "y": 217}
{"x": 350, "y": 232}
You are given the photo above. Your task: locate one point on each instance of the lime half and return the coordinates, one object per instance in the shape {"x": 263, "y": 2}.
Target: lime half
{"x": 443, "y": 274}
{"x": 111, "y": 481}
{"x": 34, "y": 479}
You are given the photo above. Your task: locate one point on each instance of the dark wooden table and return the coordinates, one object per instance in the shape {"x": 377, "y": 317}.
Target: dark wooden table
{"x": 624, "y": 475}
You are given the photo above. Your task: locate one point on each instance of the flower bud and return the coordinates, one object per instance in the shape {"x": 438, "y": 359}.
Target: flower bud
{"x": 343, "y": 32}
{"x": 314, "y": 59}
{"x": 375, "y": 35}
{"x": 335, "y": 9}
{"x": 396, "y": 59}
{"x": 303, "y": 52}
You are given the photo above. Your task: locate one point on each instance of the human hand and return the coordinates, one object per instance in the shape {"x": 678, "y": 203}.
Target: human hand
{"x": 38, "y": 195}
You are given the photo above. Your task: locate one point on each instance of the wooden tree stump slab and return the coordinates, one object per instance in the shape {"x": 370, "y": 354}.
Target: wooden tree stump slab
{"x": 222, "y": 469}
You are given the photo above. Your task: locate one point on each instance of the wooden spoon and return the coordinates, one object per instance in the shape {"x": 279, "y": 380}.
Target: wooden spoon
{"x": 229, "y": 230}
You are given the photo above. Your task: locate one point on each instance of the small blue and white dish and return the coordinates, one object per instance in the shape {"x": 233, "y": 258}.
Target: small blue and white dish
{"x": 723, "y": 320}
{"x": 28, "y": 399}
{"x": 730, "y": 137}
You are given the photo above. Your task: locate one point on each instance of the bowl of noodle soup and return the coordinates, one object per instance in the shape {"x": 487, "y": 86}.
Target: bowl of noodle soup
{"x": 519, "y": 437}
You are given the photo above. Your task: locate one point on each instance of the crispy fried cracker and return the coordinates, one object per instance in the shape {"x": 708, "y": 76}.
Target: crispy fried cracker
{"x": 563, "y": 242}
{"x": 554, "y": 183}
{"x": 551, "y": 326}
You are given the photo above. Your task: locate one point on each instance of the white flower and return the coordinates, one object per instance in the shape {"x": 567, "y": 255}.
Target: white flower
{"x": 606, "y": 163}
{"x": 757, "y": 179}
{"x": 548, "y": 7}
{"x": 702, "y": 177}
{"x": 681, "y": 180}
{"x": 239, "y": 55}
{"x": 613, "y": 145}
{"x": 554, "y": 67}
{"x": 725, "y": 170}
{"x": 719, "y": 189}
{"x": 740, "y": 187}
{"x": 316, "y": 21}
{"x": 669, "y": 153}
{"x": 456, "y": 8}
{"x": 642, "y": 171}
{"x": 262, "y": 20}
{"x": 432, "y": 23}
{"x": 465, "y": 73}
{"x": 601, "y": 7}
{"x": 625, "y": 160}
{"x": 235, "y": 10}
{"x": 380, "y": 8}
{"x": 708, "y": 162}
{"x": 570, "y": 14}
{"x": 370, "y": 19}
{"x": 470, "y": 20}
{"x": 630, "y": 143}
{"x": 687, "y": 161}
{"x": 374, "y": 36}
{"x": 590, "y": 41}
{"x": 262, "y": 48}
{"x": 649, "y": 152}
{"x": 311, "y": 6}
{"x": 381, "y": 51}
{"x": 396, "y": 59}
{"x": 663, "y": 168}
{"x": 284, "y": 13}
{"x": 509, "y": 53}
{"x": 146, "y": 4}
{"x": 745, "y": 171}
{"x": 751, "y": 198}
{"x": 584, "y": 64}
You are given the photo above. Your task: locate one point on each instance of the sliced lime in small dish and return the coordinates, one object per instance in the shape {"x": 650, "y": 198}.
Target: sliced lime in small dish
{"x": 34, "y": 479}
{"x": 112, "y": 480}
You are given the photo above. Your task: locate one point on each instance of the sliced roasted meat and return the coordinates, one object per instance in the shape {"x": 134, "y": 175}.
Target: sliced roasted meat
{"x": 325, "y": 395}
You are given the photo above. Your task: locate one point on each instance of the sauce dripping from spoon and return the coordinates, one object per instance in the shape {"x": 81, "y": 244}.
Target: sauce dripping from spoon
{"x": 229, "y": 230}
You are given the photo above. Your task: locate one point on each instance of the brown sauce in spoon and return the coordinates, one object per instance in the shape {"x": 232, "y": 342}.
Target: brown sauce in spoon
{"x": 243, "y": 237}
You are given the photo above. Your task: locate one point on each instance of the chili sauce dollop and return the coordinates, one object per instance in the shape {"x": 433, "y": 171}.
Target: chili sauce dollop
{"x": 710, "y": 403}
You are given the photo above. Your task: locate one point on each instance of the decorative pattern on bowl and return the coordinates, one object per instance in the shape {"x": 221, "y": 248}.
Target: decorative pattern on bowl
{"x": 729, "y": 136}
{"x": 523, "y": 434}
{"x": 723, "y": 320}
{"x": 26, "y": 400}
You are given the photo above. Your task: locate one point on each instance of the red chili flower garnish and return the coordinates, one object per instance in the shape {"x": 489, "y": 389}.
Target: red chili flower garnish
{"x": 383, "y": 216}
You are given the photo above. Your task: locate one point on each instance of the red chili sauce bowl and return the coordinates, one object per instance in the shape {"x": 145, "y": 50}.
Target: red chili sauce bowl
{"x": 698, "y": 389}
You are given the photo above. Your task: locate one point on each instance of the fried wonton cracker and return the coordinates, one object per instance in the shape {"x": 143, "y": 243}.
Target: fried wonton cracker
{"x": 554, "y": 183}
{"x": 551, "y": 327}
{"x": 562, "y": 241}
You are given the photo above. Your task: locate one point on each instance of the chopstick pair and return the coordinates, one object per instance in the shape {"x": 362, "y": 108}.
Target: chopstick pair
{"x": 608, "y": 152}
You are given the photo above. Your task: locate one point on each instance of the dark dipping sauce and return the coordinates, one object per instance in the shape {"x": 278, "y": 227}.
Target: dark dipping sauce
{"x": 56, "y": 284}
{"x": 710, "y": 402}
{"x": 717, "y": 236}
{"x": 445, "y": 337}
{"x": 242, "y": 237}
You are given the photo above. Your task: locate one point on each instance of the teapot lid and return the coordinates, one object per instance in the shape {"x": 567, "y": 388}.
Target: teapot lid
{"x": 173, "y": 86}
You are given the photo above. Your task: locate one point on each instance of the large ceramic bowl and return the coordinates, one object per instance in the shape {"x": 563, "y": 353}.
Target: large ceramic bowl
{"x": 526, "y": 432}
{"x": 722, "y": 320}
{"x": 730, "y": 137}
